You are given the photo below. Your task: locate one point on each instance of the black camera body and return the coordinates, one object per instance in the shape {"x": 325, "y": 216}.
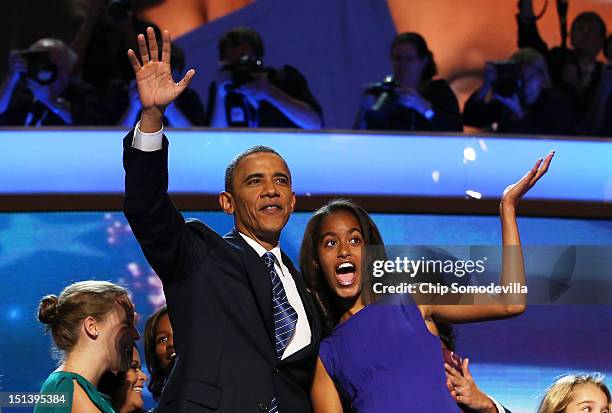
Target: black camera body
{"x": 243, "y": 71}
{"x": 387, "y": 85}
{"x": 509, "y": 78}
{"x": 384, "y": 92}
{"x": 39, "y": 66}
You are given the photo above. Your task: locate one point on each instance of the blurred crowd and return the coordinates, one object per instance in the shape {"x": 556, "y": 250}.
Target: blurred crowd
{"x": 539, "y": 89}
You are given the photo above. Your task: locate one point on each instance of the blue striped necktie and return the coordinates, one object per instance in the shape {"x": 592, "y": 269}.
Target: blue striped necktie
{"x": 285, "y": 317}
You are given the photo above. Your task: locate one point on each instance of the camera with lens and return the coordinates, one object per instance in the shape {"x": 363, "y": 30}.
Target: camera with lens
{"x": 384, "y": 92}
{"x": 118, "y": 9}
{"x": 39, "y": 66}
{"x": 243, "y": 71}
{"x": 508, "y": 80}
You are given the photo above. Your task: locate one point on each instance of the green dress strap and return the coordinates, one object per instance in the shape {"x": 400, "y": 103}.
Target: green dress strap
{"x": 63, "y": 382}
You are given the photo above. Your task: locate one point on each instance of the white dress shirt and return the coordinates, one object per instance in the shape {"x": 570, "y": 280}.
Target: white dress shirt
{"x": 302, "y": 336}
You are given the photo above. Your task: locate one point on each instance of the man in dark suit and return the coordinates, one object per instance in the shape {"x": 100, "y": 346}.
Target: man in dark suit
{"x": 246, "y": 330}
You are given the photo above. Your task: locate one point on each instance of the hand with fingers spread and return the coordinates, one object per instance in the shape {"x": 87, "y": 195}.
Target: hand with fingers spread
{"x": 156, "y": 87}
{"x": 464, "y": 390}
{"x": 515, "y": 192}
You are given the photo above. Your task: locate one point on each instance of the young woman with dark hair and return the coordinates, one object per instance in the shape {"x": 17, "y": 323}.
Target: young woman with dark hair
{"x": 125, "y": 387}
{"x": 381, "y": 354}
{"x": 413, "y": 99}
{"x": 159, "y": 350}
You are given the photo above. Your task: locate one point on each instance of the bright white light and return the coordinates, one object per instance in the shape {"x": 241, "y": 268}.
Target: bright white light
{"x": 473, "y": 194}
{"x": 435, "y": 175}
{"x": 469, "y": 154}
{"x": 483, "y": 145}
{"x": 134, "y": 269}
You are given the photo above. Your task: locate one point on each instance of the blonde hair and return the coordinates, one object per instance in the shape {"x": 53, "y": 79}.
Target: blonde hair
{"x": 63, "y": 315}
{"x": 559, "y": 395}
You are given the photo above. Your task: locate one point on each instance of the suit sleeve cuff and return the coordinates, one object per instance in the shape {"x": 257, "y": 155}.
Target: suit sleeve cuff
{"x": 147, "y": 142}
{"x": 498, "y": 406}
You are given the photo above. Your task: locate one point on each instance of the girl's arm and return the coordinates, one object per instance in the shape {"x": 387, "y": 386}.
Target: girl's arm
{"x": 489, "y": 307}
{"x": 324, "y": 396}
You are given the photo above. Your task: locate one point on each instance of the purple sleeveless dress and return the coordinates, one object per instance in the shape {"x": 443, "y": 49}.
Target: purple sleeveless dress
{"x": 383, "y": 359}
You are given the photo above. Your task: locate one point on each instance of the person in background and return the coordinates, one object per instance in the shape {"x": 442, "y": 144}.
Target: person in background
{"x": 125, "y": 388}
{"x": 248, "y": 94}
{"x": 107, "y": 28}
{"x": 92, "y": 325}
{"x": 518, "y": 98}
{"x": 411, "y": 99}
{"x": 40, "y": 89}
{"x": 587, "y": 37}
{"x": 159, "y": 350}
{"x": 186, "y": 111}
{"x": 575, "y": 393}
{"x": 608, "y": 49}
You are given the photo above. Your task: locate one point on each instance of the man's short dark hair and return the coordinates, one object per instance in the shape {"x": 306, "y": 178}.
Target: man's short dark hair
{"x": 418, "y": 42}
{"x": 230, "y": 170}
{"x": 238, "y": 36}
{"x": 591, "y": 17}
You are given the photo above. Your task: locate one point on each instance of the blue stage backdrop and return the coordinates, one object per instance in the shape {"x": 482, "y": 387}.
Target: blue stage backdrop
{"x": 513, "y": 360}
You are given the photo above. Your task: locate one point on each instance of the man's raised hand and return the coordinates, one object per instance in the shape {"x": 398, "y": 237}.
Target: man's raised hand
{"x": 156, "y": 87}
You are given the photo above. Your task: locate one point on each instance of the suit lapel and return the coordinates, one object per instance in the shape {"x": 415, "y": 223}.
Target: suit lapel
{"x": 259, "y": 278}
{"x": 261, "y": 285}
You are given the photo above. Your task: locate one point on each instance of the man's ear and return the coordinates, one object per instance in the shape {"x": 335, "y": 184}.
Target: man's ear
{"x": 293, "y": 201}
{"x": 226, "y": 201}
{"x": 91, "y": 327}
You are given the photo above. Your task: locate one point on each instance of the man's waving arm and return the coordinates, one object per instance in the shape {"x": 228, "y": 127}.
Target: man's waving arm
{"x": 156, "y": 223}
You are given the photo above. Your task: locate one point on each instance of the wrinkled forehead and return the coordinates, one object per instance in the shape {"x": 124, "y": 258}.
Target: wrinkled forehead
{"x": 262, "y": 162}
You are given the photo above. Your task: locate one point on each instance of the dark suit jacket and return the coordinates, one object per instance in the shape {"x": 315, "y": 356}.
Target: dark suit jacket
{"x": 219, "y": 299}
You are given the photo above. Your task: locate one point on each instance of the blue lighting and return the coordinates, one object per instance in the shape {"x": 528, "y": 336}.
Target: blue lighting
{"x": 89, "y": 161}
{"x": 14, "y": 314}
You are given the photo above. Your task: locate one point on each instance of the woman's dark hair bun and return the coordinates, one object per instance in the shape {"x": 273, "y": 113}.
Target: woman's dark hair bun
{"x": 47, "y": 310}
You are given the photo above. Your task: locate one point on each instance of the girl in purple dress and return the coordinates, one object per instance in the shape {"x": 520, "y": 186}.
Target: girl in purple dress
{"x": 380, "y": 354}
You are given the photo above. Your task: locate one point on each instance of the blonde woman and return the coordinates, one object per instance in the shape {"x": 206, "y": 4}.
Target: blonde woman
{"x": 577, "y": 393}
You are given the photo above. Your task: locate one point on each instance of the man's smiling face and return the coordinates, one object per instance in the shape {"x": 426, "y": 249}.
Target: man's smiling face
{"x": 261, "y": 199}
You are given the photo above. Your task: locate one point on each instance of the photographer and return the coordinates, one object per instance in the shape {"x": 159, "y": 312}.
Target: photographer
{"x": 107, "y": 29}
{"x": 581, "y": 82}
{"x": 247, "y": 94}
{"x": 598, "y": 118}
{"x": 517, "y": 97}
{"x": 39, "y": 90}
{"x": 410, "y": 99}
